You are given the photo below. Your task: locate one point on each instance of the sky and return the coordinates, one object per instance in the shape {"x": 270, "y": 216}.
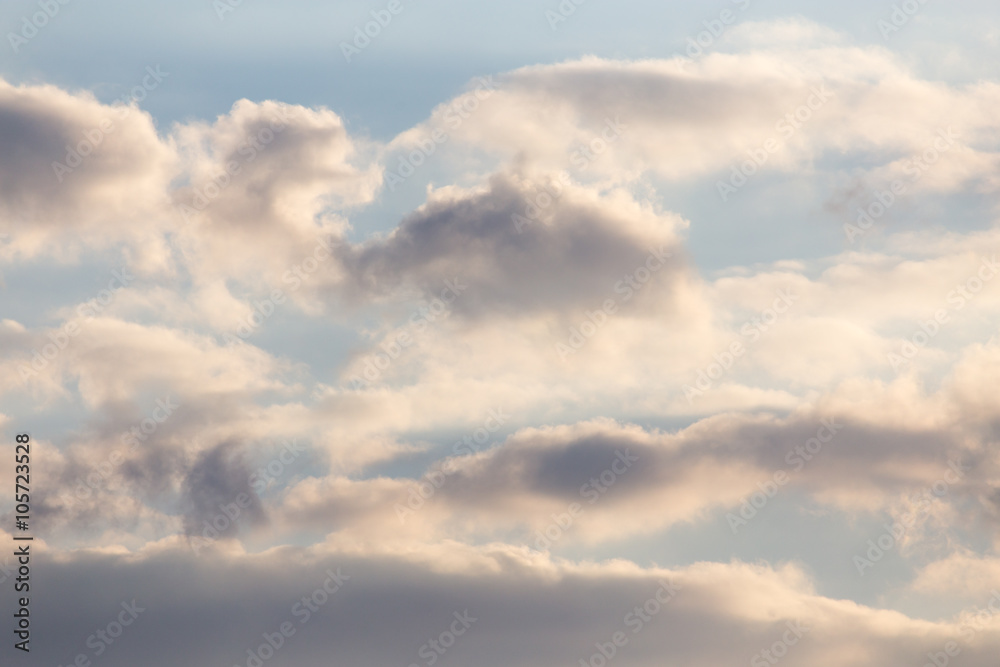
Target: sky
{"x": 501, "y": 335}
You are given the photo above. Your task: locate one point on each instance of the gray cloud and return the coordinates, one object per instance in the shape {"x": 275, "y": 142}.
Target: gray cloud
{"x": 216, "y": 480}
{"x": 528, "y": 613}
{"x": 570, "y": 256}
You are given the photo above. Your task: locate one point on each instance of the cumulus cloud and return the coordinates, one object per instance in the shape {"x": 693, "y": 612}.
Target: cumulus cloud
{"x": 264, "y": 184}
{"x": 574, "y": 249}
{"x": 77, "y": 173}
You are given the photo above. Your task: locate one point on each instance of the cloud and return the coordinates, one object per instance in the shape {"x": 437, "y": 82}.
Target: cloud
{"x": 110, "y": 183}
{"x": 579, "y": 247}
{"x": 795, "y": 83}
{"x": 566, "y": 189}
{"x": 265, "y": 183}
{"x": 391, "y": 601}
{"x": 215, "y": 482}
{"x": 628, "y": 481}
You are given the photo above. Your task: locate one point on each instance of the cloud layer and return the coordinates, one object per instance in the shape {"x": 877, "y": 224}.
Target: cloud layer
{"x": 526, "y": 399}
